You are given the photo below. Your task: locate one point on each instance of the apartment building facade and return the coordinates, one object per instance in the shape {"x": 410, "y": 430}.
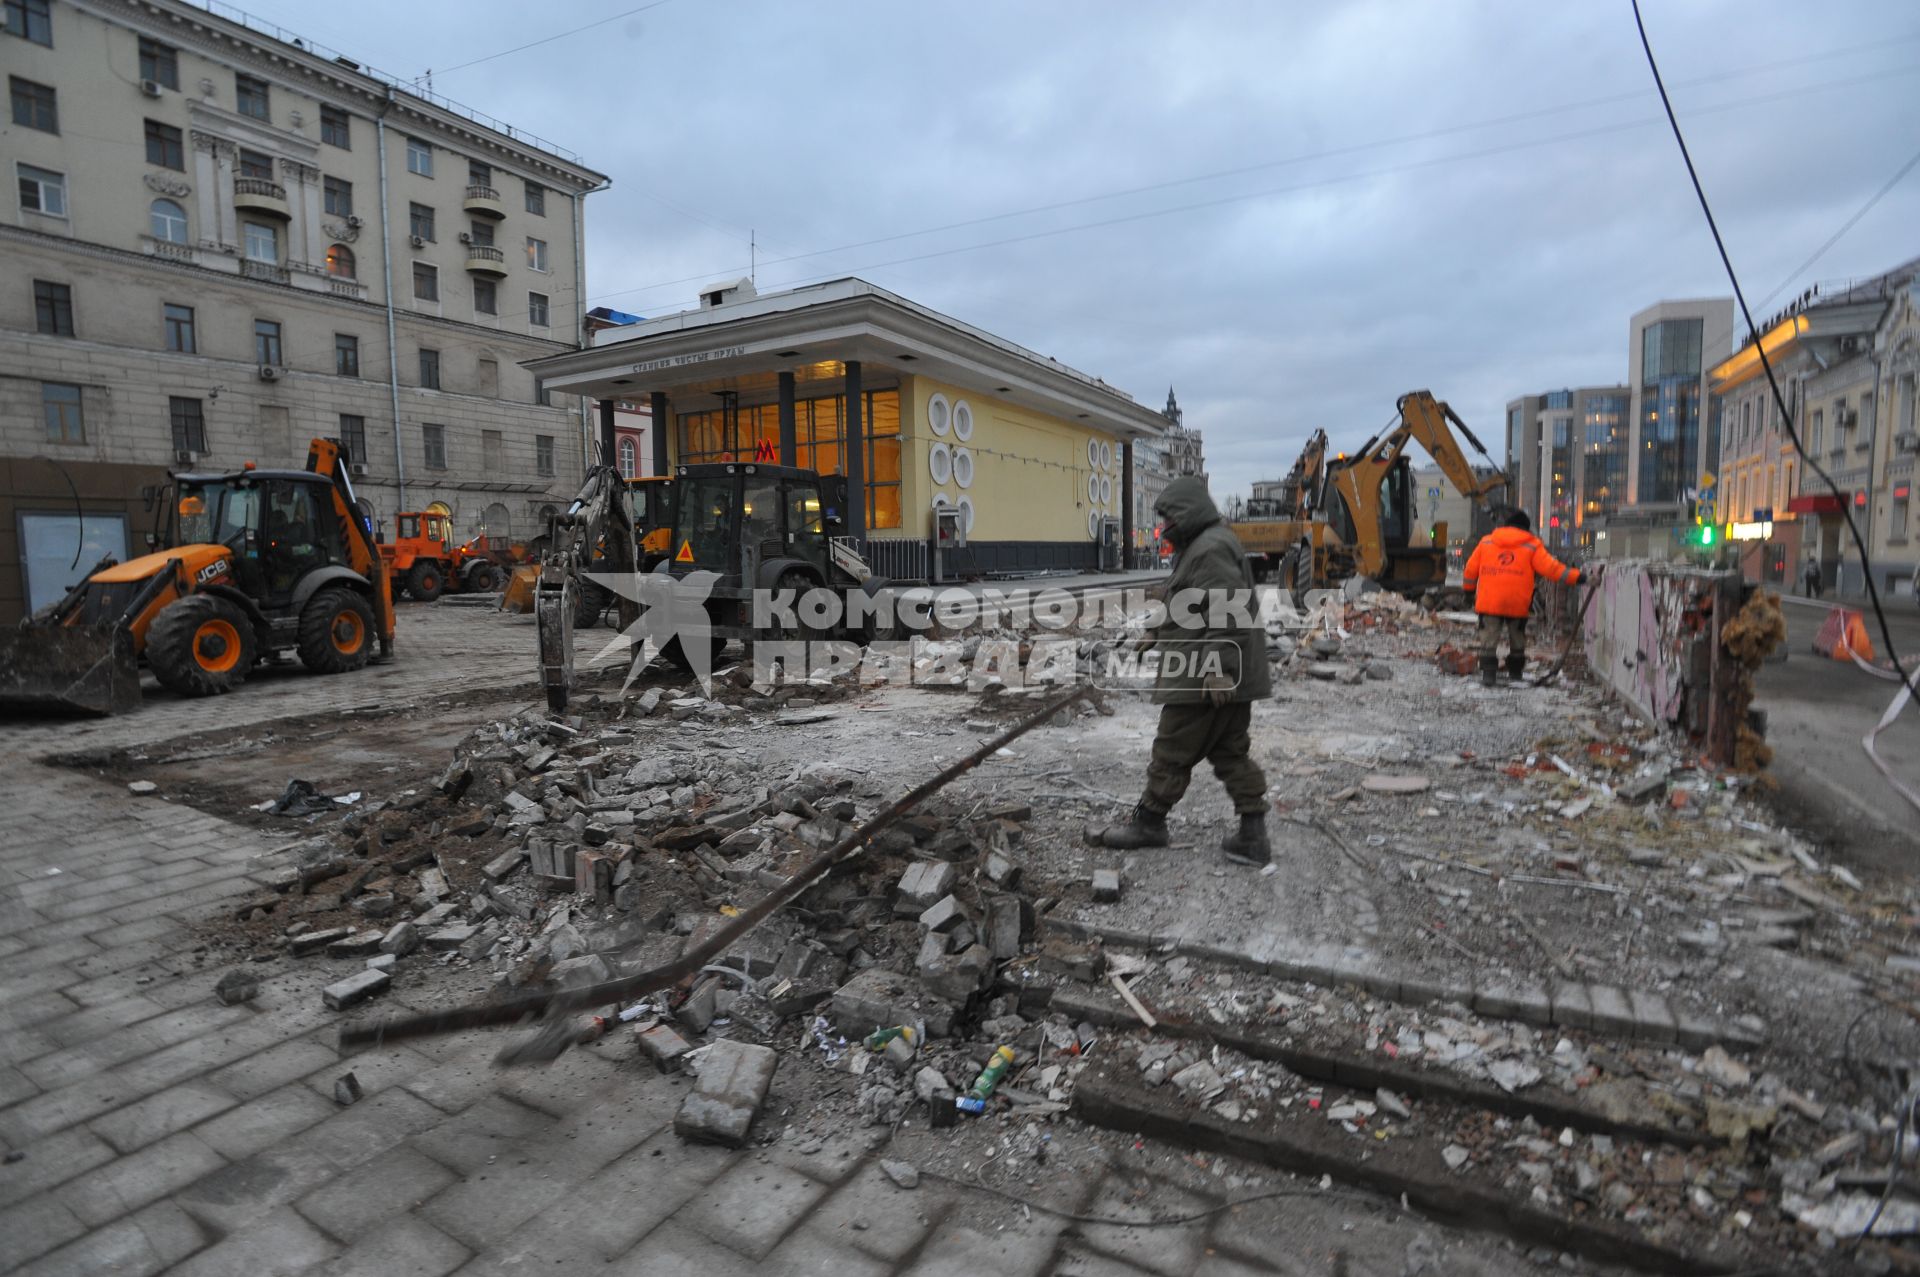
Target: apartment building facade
{"x": 1568, "y": 455}
{"x": 227, "y": 240}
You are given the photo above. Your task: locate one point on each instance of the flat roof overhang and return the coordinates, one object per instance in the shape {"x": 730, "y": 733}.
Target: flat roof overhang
{"x": 694, "y": 355}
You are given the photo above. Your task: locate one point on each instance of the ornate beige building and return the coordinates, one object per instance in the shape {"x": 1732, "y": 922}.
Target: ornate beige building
{"x": 224, "y": 241}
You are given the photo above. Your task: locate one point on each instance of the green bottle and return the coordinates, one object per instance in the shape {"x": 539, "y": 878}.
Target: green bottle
{"x": 997, "y": 1067}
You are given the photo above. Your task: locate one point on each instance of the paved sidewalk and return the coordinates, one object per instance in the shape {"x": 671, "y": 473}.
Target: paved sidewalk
{"x": 151, "y": 1129}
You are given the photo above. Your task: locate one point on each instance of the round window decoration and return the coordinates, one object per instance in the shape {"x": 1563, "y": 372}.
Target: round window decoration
{"x": 1093, "y": 489}
{"x": 966, "y": 514}
{"x": 1106, "y": 489}
{"x": 1106, "y": 454}
{"x": 1093, "y": 453}
{"x": 937, "y": 415}
{"x": 962, "y": 420}
{"x": 1093, "y": 525}
{"x": 940, "y": 462}
{"x": 963, "y": 467}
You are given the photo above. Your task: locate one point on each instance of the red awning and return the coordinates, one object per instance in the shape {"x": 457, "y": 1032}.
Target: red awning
{"x": 1817, "y": 503}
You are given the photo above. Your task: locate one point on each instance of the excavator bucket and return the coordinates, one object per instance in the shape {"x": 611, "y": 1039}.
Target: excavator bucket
{"x": 518, "y": 596}
{"x": 74, "y": 669}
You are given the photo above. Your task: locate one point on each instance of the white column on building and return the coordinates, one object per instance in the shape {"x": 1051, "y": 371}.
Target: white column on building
{"x": 303, "y": 202}
{"x": 206, "y": 173}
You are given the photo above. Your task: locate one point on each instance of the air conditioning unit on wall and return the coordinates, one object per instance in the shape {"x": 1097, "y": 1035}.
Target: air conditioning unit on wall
{"x": 417, "y": 241}
{"x": 150, "y": 87}
{"x": 269, "y": 373}
{"x": 359, "y": 469}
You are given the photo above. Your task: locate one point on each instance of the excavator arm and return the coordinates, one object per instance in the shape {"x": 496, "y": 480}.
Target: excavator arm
{"x": 595, "y": 533}
{"x": 1426, "y": 420}
{"x": 328, "y": 457}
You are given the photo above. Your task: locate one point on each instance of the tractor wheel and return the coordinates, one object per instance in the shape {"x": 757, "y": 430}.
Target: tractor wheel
{"x": 482, "y": 578}
{"x": 426, "y": 582}
{"x": 201, "y": 645}
{"x": 589, "y": 601}
{"x": 1296, "y": 572}
{"x": 336, "y": 631}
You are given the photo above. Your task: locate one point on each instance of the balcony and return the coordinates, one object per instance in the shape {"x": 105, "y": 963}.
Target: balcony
{"x": 269, "y": 272}
{"x": 485, "y": 201}
{"x": 485, "y": 259}
{"x": 258, "y": 195}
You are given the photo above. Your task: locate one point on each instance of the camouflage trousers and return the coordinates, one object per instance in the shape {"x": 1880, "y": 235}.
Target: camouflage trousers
{"x": 1492, "y": 627}
{"x": 1191, "y": 734}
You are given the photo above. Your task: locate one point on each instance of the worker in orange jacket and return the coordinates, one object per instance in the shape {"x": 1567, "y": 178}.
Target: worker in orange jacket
{"x": 1500, "y": 573}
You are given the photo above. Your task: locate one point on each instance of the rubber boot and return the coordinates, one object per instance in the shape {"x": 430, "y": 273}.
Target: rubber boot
{"x": 1489, "y": 670}
{"x": 1516, "y": 661}
{"x": 1145, "y": 828}
{"x": 1249, "y": 846}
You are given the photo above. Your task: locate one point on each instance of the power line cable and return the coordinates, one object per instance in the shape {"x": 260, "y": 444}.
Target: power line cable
{"x": 534, "y": 44}
{"x": 1287, "y": 161}
{"x": 1409, "y": 166}
{"x": 1766, "y": 365}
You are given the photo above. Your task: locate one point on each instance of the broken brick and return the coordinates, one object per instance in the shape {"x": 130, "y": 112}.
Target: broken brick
{"x": 355, "y": 988}
{"x": 733, "y": 1084}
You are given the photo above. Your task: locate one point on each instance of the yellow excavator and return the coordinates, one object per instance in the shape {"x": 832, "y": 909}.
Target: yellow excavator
{"x": 1353, "y": 515}
{"x": 257, "y": 562}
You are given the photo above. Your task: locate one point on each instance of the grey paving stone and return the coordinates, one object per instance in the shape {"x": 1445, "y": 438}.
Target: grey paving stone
{"x": 150, "y": 1241}
{"x": 809, "y": 1250}
{"x": 264, "y": 1121}
{"x": 35, "y": 1227}
{"x": 174, "y": 1109}
{"x": 607, "y": 1213}
{"x": 51, "y": 1161}
{"x": 278, "y": 1242}
{"x": 1572, "y": 1005}
{"x": 1653, "y": 1018}
{"x": 750, "y": 1208}
{"x": 1612, "y": 1012}
{"x": 377, "y": 1069}
{"x": 400, "y": 1245}
{"x": 1171, "y": 1252}
{"x": 274, "y": 1067}
{"x": 734, "y": 1077}
{"x": 115, "y": 1017}
{"x": 960, "y": 1251}
{"x": 15, "y": 1086}
{"x": 356, "y": 1135}
{"x": 1518, "y": 1000}
{"x": 156, "y": 1171}
{"x": 673, "y": 1250}
{"x": 394, "y": 1182}
{"x": 895, "y": 1221}
{"x": 490, "y": 1128}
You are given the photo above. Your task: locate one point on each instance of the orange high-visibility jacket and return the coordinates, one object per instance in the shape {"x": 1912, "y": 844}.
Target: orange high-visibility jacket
{"x": 1501, "y": 571}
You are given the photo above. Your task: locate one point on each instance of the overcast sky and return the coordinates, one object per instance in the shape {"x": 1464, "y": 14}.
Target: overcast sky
{"x": 1292, "y": 213}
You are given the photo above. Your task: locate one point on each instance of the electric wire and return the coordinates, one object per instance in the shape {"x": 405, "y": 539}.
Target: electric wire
{"x": 1773, "y": 383}
{"x": 1302, "y": 158}
{"x": 534, "y": 44}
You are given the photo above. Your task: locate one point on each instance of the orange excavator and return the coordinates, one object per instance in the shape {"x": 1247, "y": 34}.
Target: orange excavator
{"x": 257, "y": 562}
{"x": 426, "y": 561}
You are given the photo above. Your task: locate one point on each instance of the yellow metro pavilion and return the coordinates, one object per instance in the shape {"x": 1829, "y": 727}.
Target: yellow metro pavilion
{"x": 917, "y": 410}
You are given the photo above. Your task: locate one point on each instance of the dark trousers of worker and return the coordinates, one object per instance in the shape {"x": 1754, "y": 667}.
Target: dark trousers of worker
{"x": 1492, "y": 627}
{"x": 1190, "y": 734}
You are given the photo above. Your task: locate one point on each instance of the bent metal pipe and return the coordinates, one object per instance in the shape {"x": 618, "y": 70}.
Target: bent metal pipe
{"x": 527, "y": 1009}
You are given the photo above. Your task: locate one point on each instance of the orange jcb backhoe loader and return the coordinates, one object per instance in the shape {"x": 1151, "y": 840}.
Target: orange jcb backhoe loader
{"x": 259, "y": 561}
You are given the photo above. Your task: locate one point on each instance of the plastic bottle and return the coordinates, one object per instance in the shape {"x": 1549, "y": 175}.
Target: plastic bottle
{"x": 878, "y": 1039}
{"x": 969, "y": 1104}
{"x": 997, "y": 1066}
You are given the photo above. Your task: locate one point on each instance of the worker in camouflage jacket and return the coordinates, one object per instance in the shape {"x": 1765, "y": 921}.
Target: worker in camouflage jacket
{"x": 1211, "y": 672}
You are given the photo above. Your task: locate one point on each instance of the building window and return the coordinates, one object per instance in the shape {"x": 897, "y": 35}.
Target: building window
{"x": 159, "y": 63}
{"x": 536, "y": 199}
{"x": 1896, "y": 518}
{"x": 165, "y": 146}
{"x": 31, "y": 20}
{"x": 426, "y": 282}
{"x": 353, "y": 437}
{"x": 629, "y": 458}
{"x": 537, "y": 309}
{"x": 489, "y": 378}
{"x": 820, "y": 430}
{"x": 266, "y": 342}
{"x": 420, "y": 221}
{"x": 178, "y": 323}
{"x": 250, "y": 96}
{"x": 1817, "y": 435}
{"x": 262, "y": 242}
{"x": 335, "y": 129}
{"x": 429, "y": 369}
{"x": 337, "y": 196}
{"x": 419, "y": 157}
{"x": 479, "y": 174}
{"x": 346, "y": 355}
{"x": 61, "y": 404}
{"x": 493, "y": 452}
{"x": 480, "y": 233}
{"x": 340, "y": 261}
{"x": 167, "y": 221}
{"x": 189, "y": 426}
{"x": 255, "y": 164}
{"x": 33, "y": 105}
{"x": 485, "y": 299}
{"x": 53, "y": 308}
{"x": 543, "y": 456}
{"x": 536, "y": 253}
{"x": 434, "y": 440}
{"x": 43, "y": 191}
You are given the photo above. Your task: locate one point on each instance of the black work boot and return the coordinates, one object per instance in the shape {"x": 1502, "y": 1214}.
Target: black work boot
{"x": 1489, "y": 670}
{"x": 1249, "y": 846}
{"x": 1516, "y": 661}
{"x": 1145, "y": 828}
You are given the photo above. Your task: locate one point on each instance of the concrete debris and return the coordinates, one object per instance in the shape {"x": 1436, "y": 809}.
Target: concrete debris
{"x": 355, "y": 989}
{"x": 903, "y": 1174}
{"x": 346, "y": 1089}
{"x": 236, "y": 986}
{"x": 1724, "y": 1069}
{"x": 733, "y": 1081}
{"x": 1106, "y": 885}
